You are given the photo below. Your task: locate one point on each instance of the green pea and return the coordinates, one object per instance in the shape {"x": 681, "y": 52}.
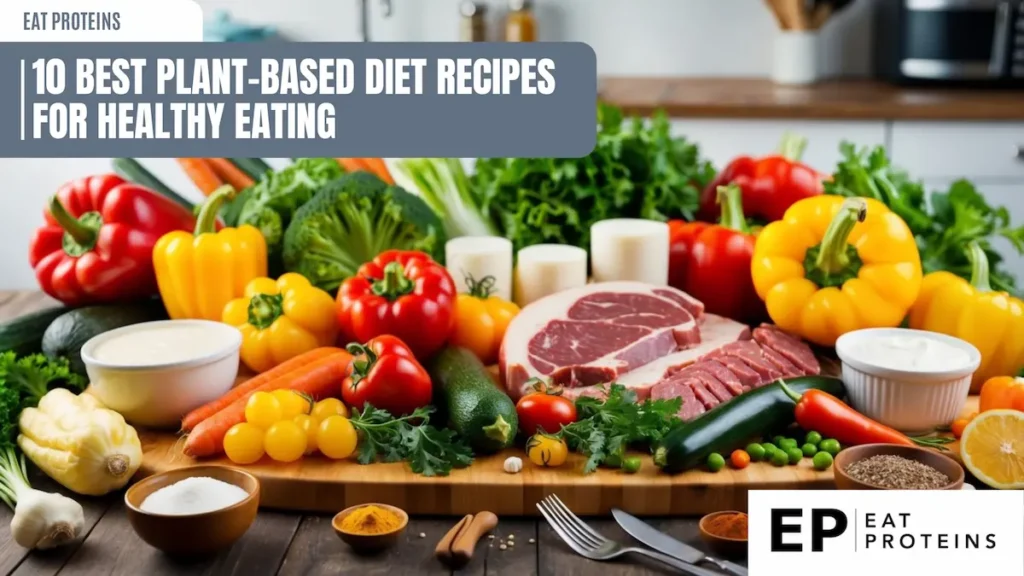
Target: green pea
{"x": 715, "y": 462}
{"x": 779, "y": 458}
{"x": 777, "y": 440}
{"x": 769, "y": 449}
{"x": 788, "y": 443}
{"x": 794, "y": 454}
{"x": 809, "y": 449}
{"x": 822, "y": 461}
{"x": 631, "y": 465}
{"x": 831, "y": 446}
{"x": 813, "y": 438}
{"x": 756, "y": 452}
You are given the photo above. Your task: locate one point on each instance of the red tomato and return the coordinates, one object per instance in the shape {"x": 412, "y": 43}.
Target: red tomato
{"x": 543, "y": 411}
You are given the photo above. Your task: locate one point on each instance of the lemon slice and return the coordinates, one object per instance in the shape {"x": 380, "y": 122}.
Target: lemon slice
{"x": 992, "y": 448}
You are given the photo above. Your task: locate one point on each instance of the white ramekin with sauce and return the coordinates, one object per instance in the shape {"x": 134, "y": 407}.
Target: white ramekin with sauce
{"x": 155, "y": 372}
{"x": 911, "y": 380}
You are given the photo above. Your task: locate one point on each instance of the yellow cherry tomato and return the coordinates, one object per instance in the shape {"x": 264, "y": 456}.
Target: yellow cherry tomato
{"x": 243, "y": 444}
{"x": 285, "y": 441}
{"x": 311, "y": 426}
{"x": 263, "y": 409}
{"x": 481, "y": 320}
{"x": 328, "y": 407}
{"x": 547, "y": 451}
{"x": 337, "y": 437}
{"x": 292, "y": 403}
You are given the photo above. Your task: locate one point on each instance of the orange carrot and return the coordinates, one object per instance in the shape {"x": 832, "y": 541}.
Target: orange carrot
{"x": 193, "y": 418}
{"x": 201, "y": 174}
{"x": 378, "y": 167}
{"x": 320, "y": 379}
{"x": 352, "y": 164}
{"x": 230, "y": 173}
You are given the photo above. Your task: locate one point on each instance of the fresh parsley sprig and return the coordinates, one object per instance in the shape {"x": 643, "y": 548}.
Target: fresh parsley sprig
{"x": 605, "y": 428}
{"x": 429, "y": 451}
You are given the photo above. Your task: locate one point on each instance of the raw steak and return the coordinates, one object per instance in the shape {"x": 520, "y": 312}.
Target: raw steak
{"x": 789, "y": 346}
{"x": 593, "y": 334}
{"x": 677, "y": 389}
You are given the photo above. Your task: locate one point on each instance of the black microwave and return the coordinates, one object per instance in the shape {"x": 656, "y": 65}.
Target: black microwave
{"x": 976, "y": 42}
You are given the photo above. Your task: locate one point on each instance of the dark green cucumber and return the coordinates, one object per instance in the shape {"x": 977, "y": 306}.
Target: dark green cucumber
{"x": 24, "y": 334}
{"x": 254, "y": 168}
{"x": 131, "y": 170}
{"x": 735, "y": 423}
{"x": 70, "y": 331}
{"x": 475, "y": 407}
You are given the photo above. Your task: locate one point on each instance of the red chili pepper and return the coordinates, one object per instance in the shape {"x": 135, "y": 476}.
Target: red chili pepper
{"x": 403, "y": 293}
{"x": 770, "y": 184}
{"x": 386, "y": 375}
{"x": 97, "y": 243}
{"x": 833, "y": 418}
{"x": 712, "y": 262}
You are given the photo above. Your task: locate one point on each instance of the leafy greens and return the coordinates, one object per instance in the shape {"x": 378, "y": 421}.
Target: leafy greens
{"x": 953, "y": 219}
{"x": 429, "y": 451}
{"x": 635, "y": 171}
{"x": 605, "y": 428}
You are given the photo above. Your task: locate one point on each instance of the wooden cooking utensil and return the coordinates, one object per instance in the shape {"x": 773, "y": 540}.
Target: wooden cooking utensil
{"x": 774, "y": 6}
{"x": 462, "y": 549}
{"x": 443, "y": 552}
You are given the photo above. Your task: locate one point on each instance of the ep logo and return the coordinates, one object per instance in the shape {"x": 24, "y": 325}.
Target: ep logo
{"x": 822, "y": 523}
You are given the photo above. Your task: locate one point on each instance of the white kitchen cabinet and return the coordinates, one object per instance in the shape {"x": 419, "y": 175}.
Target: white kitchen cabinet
{"x": 948, "y": 150}
{"x": 721, "y": 140}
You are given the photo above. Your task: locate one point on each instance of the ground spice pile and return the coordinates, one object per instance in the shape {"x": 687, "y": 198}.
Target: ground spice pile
{"x": 897, "y": 473}
{"x": 728, "y": 525}
{"x": 370, "y": 520}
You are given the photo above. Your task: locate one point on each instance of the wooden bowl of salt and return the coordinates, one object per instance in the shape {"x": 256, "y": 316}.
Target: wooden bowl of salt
{"x": 370, "y": 528}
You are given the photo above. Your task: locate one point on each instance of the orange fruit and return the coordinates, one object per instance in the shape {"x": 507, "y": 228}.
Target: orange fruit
{"x": 992, "y": 448}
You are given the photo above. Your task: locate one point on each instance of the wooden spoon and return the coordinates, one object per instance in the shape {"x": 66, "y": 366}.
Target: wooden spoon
{"x": 462, "y": 549}
{"x": 775, "y": 7}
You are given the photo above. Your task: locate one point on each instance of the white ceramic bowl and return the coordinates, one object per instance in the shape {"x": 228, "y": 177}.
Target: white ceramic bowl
{"x": 911, "y": 401}
{"x": 157, "y": 395}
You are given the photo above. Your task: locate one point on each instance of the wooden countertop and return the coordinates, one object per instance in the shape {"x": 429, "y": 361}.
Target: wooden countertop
{"x": 841, "y": 99}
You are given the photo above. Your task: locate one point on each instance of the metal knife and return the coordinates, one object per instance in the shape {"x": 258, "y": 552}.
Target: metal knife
{"x": 666, "y": 544}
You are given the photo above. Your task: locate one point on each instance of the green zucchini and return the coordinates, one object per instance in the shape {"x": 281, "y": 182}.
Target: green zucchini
{"x": 131, "y": 170}
{"x": 71, "y": 330}
{"x": 254, "y": 168}
{"x": 24, "y": 334}
{"x": 475, "y": 408}
{"x": 733, "y": 424}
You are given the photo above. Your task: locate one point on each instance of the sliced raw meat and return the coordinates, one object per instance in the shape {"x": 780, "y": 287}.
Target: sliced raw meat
{"x": 708, "y": 379}
{"x": 724, "y": 375}
{"x": 746, "y": 374}
{"x": 675, "y": 389}
{"x": 787, "y": 368}
{"x": 789, "y": 346}
{"x": 593, "y": 334}
{"x": 750, "y": 353}
{"x": 701, "y": 391}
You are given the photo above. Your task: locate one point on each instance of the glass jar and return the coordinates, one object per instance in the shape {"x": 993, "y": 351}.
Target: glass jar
{"x": 520, "y": 23}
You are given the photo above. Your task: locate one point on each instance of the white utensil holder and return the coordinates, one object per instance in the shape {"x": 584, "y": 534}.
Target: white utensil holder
{"x": 796, "y": 57}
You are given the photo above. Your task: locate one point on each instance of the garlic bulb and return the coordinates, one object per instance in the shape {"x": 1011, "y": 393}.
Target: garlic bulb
{"x": 45, "y": 520}
{"x": 513, "y": 465}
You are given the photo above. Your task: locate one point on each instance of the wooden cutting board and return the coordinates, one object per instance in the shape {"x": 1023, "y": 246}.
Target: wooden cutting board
{"x": 316, "y": 484}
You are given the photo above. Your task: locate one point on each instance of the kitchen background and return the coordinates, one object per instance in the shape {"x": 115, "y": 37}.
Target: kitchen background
{"x": 667, "y": 39}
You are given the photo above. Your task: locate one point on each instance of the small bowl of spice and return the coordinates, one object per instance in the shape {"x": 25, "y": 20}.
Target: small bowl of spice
{"x": 370, "y": 527}
{"x": 195, "y": 511}
{"x": 725, "y": 532}
{"x": 896, "y": 467}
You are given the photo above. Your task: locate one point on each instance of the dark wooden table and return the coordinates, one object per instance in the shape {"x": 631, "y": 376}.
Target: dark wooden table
{"x": 296, "y": 544}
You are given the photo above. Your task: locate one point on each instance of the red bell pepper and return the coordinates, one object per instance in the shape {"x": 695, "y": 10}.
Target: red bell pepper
{"x": 97, "y": 243}
{"x": 770, "y": 184}
{"x": 403, "y": 293}
{"x": 711, "y": 262}
{"x": 386, "y": 375}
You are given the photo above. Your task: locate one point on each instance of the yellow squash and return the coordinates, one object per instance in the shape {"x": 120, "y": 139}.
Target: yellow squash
{"x": 970, "y": 310}
{"x": 201, "y": 272}
{"x": 281, "y": 319}
{"x": 834, "y": 265}
{"x": 78, "y": 442}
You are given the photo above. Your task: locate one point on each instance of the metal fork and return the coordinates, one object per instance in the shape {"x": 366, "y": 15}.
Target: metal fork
{"x": 589, "y": 544}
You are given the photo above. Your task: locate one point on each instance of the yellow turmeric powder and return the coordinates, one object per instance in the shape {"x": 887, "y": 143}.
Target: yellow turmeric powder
{"x": 370, "y": 520}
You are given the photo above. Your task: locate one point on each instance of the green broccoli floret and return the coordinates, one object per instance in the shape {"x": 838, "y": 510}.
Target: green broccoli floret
{"x": 271, "y": 203}
{"x": 350, "y": 221}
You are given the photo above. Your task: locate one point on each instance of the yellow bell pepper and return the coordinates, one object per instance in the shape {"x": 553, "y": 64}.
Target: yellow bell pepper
{"x": 834, "y": 265}
{"x": 280, "y": 320}
{"x": 992, "y": 321}
{"x": 201, "y": 272}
